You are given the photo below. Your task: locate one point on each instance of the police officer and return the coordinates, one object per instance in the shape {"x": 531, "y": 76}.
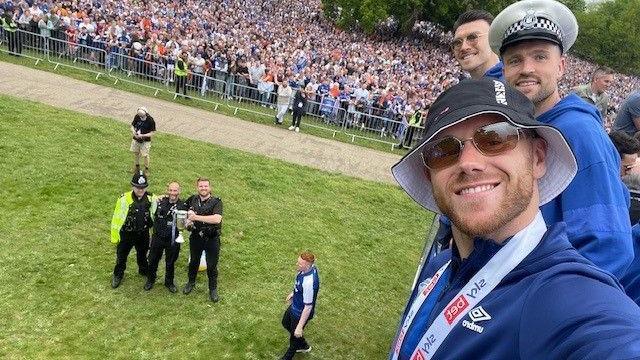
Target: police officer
{"x": 130, "y": 227}
{"x": 165, "y": 234}
{"x": 205, "y": 221}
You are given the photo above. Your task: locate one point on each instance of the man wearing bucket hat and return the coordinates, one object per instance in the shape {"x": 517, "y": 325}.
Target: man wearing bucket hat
{"x": 130, "y": 226}
{"x": 531, "y": 38}
{"x": 166, "y": 237}
{"x": 511, "y": 286}
{"x": 142, "y": 127}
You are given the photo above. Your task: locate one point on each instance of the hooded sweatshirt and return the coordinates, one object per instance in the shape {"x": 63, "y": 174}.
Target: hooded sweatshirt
{"x": 553, "y": 305}
{"x": 595, "y": 204}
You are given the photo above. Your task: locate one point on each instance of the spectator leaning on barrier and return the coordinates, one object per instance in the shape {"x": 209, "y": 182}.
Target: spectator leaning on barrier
{"x": 532, "y": 37}
{"x": 143, "y": 127}
{"x": 302, "y": 304}
{"x": 470, "y": 45}
{"x": 595, "y": 93}
{"x": 628, "y": 119}
{"x": 512, "y": 286}
{"x": 130, "y": 226}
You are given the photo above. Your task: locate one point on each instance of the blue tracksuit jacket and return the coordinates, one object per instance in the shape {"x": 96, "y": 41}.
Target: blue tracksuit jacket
{"x": 554, "y": 305}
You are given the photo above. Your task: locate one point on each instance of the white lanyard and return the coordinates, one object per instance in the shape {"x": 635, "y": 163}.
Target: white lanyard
{"x": 415, "y": 306}
{"x": 480, "y": 285}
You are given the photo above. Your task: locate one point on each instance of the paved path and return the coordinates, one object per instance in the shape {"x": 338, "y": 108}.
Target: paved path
{"x": 173, "y": 118}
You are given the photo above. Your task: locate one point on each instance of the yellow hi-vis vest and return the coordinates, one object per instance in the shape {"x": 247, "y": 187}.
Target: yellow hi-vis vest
{"x": 177, "y": 70}
{"x": 121, "y": 211}
{"x": 9, "y": 25}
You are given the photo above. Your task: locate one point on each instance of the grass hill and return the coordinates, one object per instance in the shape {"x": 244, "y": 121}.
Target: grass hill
{"x": 61, "y": 174}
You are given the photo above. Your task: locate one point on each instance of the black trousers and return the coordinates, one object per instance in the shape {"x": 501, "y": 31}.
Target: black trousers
{"x": 171, "y": 252}
{"x": 408, "y": 137}
{"x": 297, "y": 116}
{"x": 15, "y": 43}
{"x": 181, "y": 85}
{"x": 289, "y": 322}
{"x": 211, "y": 247}
{"x": 129, "y": 240}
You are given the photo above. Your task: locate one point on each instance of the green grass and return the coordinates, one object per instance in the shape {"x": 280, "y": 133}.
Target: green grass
{"x": 246, "y": 111}
{"x": 61, "y": 174}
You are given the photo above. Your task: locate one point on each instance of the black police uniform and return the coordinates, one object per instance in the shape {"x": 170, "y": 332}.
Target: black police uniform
{"x": 135, "y": 233}
{"x": 205, "y": 237}
{"x": 165, "y": 233}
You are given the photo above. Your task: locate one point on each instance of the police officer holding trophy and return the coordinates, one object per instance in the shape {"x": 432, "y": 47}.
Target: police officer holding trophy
{"x": 166, "y": 237}
{"x": 204, "y": 220}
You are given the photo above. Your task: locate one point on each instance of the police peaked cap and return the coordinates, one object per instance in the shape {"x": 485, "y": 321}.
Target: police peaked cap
{"x": 547, "y": 20}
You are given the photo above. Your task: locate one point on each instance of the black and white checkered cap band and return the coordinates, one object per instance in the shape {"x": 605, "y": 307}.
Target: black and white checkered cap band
{"x": 529, "y": 23}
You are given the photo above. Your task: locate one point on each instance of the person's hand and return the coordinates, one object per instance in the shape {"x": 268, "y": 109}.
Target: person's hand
{"x": 298, "y": 332}
{"x": 191, "y": 215}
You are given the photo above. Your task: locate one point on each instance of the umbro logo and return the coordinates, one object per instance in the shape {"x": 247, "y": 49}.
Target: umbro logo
{"x": 476, "y": 315}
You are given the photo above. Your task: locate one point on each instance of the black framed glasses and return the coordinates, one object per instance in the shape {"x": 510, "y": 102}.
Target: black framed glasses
{"x": 490, "y": 140}
{"x": 472, "y": 39}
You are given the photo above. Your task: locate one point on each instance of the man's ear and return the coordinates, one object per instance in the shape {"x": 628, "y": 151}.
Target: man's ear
{"x": 539, "y": 157}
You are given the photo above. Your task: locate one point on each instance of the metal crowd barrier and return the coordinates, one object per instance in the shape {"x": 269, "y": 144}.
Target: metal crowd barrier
{"x": 137, "y": 71}
{"x": 327, "y": 118}
{"x": 195, "y": 89}
{"x": 74, "y": 55}
{"x": 216, "y": 87}
{"x": 25, "y": 44}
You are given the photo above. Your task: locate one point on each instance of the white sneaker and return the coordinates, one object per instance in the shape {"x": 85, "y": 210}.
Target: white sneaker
{"x": 297, "y": 129}
{"x": 291, "y": 127}
{"x": 304, "y": 350}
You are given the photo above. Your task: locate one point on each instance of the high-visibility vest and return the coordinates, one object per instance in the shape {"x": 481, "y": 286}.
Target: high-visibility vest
{"x": 183, "y": 71}
{"x": 120, "y": 213}
{"x": 9, "y": 25}
{"x": 414, "y": 120}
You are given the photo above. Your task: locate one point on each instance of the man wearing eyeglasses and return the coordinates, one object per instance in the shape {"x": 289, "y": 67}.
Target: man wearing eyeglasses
{"x": 471, "y": 48}
{"x": 511, "y": 286}
{"x": 470, "y": 45}
{"x": 532, "y": 37}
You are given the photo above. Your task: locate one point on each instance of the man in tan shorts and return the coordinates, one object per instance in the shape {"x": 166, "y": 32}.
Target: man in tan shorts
{"x": 143, "y": 128}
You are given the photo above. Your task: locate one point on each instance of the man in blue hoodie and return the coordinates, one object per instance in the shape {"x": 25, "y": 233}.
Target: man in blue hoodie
{"x": 511, "y": 286}
{"x": 531, "y": 38}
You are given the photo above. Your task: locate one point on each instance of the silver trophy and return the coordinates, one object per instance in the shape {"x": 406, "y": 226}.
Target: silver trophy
{"x": 181, "y": 219}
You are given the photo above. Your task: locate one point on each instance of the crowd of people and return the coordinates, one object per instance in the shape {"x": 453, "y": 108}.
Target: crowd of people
{"x": 260, "y": 42}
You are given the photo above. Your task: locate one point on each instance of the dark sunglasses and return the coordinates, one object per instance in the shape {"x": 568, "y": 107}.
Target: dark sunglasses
{"x": 490, "y": 140}
{"x": 472, "y": 39}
